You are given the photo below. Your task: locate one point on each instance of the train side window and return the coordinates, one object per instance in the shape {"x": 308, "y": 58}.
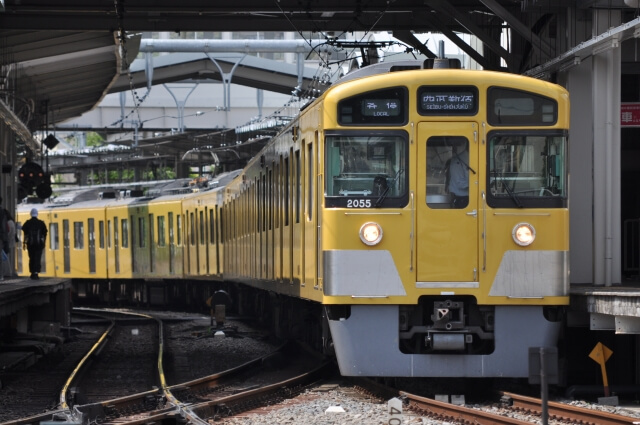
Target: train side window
{"x": 171, "y": 234}
{"x": 297, "y": 186}
{"x": 133, "y": 232}
{"x": 310, "y": 181}
{"x": 277, "y": 191}
{"x": 271, "y": 202}
{"x": 54, "y": 237}
{"x": 101, "y": 233}
{"x": 201, "y": 218}
{"x": 109, "y": 234}
{"x": 66, "y": 235}
{"x": 179, "y": 231}
{"x": 216, "y": 232}
{"x": 125, "y": 233}
{"x": 212, "y": 227}
{"x": 192, "y": 229}
{"x": 263, "y": 204}
{"x": 447, "y": 172}
{"x": 142, "y": 240}
{"x": 161, "y": 231}
{"x": 116, "y": 234}
{"x": 223, "y": 220}
{"x": 78, "y": 235}
{"x": 287, "y": 188}
{"x": 151, "y": 231}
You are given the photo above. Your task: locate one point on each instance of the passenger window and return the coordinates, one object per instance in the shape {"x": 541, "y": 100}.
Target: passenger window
{"x": 125, "y": 233}
{"x": 54, "y": 240}
{"x": 78, "y": 235}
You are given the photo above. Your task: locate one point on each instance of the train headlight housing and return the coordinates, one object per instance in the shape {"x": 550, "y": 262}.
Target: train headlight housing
{"x": 523, "y": 234}
{"x": 371, "y": 233}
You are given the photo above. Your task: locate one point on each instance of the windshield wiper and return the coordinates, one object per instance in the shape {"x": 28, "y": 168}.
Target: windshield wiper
{"x": 500, "y": 176}
{"x": 384, "y": 194}
{"x": 511, "y": 193}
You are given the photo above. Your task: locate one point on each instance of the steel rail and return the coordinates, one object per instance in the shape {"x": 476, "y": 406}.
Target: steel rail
{"x": 452, "y": 412}
{"x": 562, "y": 411}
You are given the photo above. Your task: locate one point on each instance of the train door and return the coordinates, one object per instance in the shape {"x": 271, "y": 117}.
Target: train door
{"x": 447, "y": 204}
{"x": 310, "y": 231}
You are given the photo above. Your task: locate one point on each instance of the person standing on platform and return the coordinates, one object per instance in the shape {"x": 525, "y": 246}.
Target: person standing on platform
{"x": 13, "y": 238}
{"x": 35, "y": 235}
{"x": 9, "y": 265}
{"x": 4, "y": 239}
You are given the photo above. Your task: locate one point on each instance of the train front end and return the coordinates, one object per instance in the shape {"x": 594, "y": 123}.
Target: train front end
{"x": 444, "y": 224}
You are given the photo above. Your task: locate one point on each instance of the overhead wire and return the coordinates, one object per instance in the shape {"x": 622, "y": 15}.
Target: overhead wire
{"x": 122, "y": 49}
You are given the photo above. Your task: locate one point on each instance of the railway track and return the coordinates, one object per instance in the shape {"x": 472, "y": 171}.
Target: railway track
{"x": 123, "y": 360}
{"x": 532, "y": 407}
{"x": 30, "y": 392}
{"x": 264, "y": 381}
{"x": 511, "y": 409}
{"x": 566, "y": 412}
{"x": 268, "y": 379}
{"x": 96, "y": 378}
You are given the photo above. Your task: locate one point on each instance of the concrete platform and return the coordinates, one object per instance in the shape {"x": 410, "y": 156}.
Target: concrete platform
{"x": 607, "y": 307}
{"x": 17, "y": 293}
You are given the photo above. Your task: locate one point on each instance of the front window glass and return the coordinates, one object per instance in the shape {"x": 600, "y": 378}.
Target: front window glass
{"x": 527, "y": 170}
{"x": 448, "y": 172}
{"x": 366, "y": 171}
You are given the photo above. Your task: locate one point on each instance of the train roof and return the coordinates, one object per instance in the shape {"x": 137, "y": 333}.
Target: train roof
{"x": 130, "y": 194}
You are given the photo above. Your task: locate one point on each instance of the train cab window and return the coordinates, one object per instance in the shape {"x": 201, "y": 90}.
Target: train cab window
{"x": 366, "y": 171}
{"x": 54, "y": 237}
{"x": 125, "y": 233}
{"x": 527, "y": 170}
{"x": 448, "y": 172}
{"x": 78, "y": 235}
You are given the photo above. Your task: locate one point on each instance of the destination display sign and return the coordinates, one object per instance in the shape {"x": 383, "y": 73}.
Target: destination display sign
{"x": 448, "y": 100}
{"x": 376, "y": 107}
{"x": 381, "y": 107}
{"x": 630, "y": 114}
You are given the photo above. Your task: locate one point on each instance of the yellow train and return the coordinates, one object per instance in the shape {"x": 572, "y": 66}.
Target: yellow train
{"x": 414, "y": 221}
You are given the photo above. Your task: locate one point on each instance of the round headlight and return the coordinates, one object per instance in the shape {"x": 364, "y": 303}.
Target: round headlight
{"x": 523, "y": 234}
{"x": 371, "y": 233}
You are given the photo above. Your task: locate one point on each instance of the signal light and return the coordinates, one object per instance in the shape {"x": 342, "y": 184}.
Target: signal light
{"x": 32, "y": 177}
{"x": 43, "y": 190}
